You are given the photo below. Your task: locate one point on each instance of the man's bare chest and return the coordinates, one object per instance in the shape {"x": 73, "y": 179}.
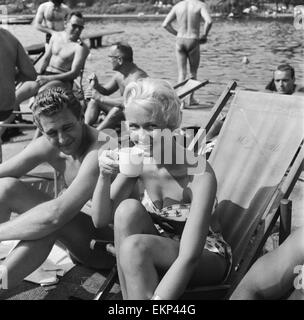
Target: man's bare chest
{"x": 64, "y": 50}
{"x": 54, "y": 14}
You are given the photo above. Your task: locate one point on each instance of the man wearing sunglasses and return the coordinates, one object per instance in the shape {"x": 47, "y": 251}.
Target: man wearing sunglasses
{"x": 126, "y": 71}
{"x": 62, "y": 62}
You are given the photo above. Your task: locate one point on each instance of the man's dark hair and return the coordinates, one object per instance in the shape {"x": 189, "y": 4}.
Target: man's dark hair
{"x": 57, "y": 2}
{"x": 282, "y": 67}
{"x": 126, "y": 51}
{"x": 286, "y": 67}
{"x": 52, "y": 101}
{"x": 78, "y": 14}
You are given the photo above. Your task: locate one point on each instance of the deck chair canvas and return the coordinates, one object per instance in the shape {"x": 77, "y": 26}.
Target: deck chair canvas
{"x": 257, "y": 144}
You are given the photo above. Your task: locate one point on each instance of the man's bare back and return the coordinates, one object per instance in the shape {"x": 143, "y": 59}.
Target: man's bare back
{"x": 189, "y": 17}
{"x": 123, "y": 80}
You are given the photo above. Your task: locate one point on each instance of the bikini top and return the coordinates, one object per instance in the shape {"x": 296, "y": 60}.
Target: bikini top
{"x": 178, "y": 210}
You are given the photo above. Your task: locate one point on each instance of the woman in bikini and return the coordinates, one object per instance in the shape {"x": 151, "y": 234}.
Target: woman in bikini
{"x": 170, "y": 239}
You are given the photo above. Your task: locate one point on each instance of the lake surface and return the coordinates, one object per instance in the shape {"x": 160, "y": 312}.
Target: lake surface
{"x": 265, "y": 43}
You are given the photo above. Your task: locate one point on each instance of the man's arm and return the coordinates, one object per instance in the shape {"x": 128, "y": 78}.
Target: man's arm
{"x": 109, "y": 88}
{"x": 39, "y": 20}
{"x": 167, "y": 24}
{"x": 208, "y": 23}
{"x": 26, "y": 70}
{"x": 36, "y": 152}
{"x": 78, "y": 63}
{"x": 45, "y": 60}
{"x": 50, "y": 216}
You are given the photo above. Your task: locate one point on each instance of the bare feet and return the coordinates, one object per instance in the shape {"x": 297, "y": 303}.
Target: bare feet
{"x": 193, "y": 102}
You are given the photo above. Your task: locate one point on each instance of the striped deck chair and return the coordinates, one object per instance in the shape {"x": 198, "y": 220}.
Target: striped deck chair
{"x": 257, "y": 161}
{"x": 183, "y": 89}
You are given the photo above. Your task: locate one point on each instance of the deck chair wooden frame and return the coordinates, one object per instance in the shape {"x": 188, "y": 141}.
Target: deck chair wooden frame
{"x": 276, "y": 207}
{"x": 188, "y": 86}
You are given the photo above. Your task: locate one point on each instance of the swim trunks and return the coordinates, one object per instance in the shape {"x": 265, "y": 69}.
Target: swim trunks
{"x": 187, "y": 45}
{"x": 214, "y": 242}
{"x": 48, "y": 37}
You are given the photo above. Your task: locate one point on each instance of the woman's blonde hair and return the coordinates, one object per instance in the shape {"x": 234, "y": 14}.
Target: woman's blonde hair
{"x": 155, "y": 94}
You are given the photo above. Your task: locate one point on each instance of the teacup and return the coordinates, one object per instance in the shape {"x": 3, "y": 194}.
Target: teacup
{"x": 131, "y": 161}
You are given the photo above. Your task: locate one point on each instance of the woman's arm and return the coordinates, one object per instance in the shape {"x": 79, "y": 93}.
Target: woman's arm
{"x": 108, "y": 196}
{"x": 175, "y": 281}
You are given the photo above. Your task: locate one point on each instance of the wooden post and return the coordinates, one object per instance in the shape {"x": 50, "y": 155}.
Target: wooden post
{"x": 285, "y": 219}
{"x": 99, "y": 42}
{"x": 92, "y": 43}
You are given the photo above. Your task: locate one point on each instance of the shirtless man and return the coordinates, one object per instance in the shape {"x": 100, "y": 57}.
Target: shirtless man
{"x": 12, "y": 56}
{"x": 283, "y": 81}
{"x": 188, "y": 15}
{"x": 50, "y": 17}
{"x": 121, "y": 55}
{"x": 71, "y": 147}
{"x": 62, "y": 62}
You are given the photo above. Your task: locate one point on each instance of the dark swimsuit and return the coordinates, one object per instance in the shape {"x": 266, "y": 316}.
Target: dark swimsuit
{"x": 186, "y": 45}
{"x": 48, "y": 37}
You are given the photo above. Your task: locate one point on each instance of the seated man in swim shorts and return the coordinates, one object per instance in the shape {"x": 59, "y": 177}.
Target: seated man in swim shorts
{"x": 12, "y": 57}
{"x": 62, "y": 62}
{"x": 188, "y": 15}
{"x": 71, "y": 147}
{"x": 121, "y": 56}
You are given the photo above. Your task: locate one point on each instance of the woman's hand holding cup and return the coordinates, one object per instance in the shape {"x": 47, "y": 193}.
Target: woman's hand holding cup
{"x": 108, "y": 162}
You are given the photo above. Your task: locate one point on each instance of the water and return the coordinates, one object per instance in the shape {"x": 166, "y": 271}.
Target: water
{"x": 265, "y": 43}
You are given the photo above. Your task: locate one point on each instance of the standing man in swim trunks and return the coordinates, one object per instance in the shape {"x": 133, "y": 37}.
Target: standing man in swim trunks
{"x": 12, "y": 57}
{"x": 62, "y": 62}
{"x": 50, "y": 17}
{"x": 188, "y": 15}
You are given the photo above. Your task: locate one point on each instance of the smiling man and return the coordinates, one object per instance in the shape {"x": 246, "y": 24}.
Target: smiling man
{"x": 62, "y": 62}
{"x": 71, "y": 147}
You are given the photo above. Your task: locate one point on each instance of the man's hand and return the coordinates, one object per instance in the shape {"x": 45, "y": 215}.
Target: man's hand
{"x": 93, "y": 81}
{"x": 91, "y": 93}
{"x": 108, "y": 162}
{"x": 203, "y": 39}
{"x": 42, "y": 80}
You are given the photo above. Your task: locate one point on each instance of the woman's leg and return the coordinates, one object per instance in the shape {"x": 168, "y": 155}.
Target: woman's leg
{"x": 130, "y": 218}
{"x": 144, "y": 258}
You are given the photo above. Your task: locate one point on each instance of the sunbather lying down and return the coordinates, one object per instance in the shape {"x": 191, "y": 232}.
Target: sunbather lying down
{"x": 171, "y": 239}
{"x": 277, "y": 275}
{"x": 62, "y": 62}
